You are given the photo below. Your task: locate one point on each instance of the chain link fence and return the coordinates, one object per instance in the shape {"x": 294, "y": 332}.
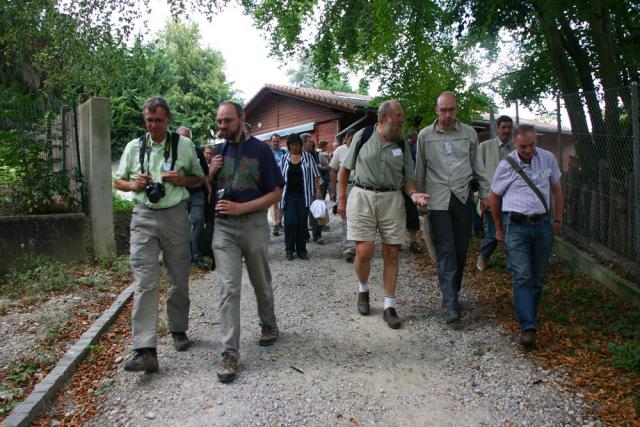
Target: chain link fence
{"x": 600, "y": 163}
{"x": 39, "y": 159}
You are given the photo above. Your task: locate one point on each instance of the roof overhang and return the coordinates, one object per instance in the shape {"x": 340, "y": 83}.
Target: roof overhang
{"x": 305, "y": 127}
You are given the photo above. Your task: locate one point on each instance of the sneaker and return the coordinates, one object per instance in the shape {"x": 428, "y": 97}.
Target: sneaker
{"x": 276, "y": 230}
{"x": 180, "y": 341}
{"x": 227, "y": 368}
{"x": 363, "y": 303}
{"x": 453, "y": 316}
{"x": 481, "y": 264}
{"x": 268, "y": 336}
{"x": 391, "y": 317}
{"x": 415, "y": 247}
{"x": 145, "y": 360}
{"x": 349, "y": 256}
{"x": 528, "y": 339}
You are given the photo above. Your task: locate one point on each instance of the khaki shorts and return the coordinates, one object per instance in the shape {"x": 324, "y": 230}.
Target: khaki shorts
{"x": 369, "y": 212}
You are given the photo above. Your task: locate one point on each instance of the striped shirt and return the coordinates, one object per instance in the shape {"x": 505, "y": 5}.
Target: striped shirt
{"x": 310, "y": 172}
{"x": 516, "y": 194}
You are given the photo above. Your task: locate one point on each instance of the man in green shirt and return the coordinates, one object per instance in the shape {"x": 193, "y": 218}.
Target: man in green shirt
{"x": 159, "y": 223}
{"x": 382, "y": 169}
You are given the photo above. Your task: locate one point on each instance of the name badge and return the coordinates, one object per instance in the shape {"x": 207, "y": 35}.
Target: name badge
{"x": 396, "y": 152}
{"x": 166, "y": 167}
{"x": 448, "y": 148}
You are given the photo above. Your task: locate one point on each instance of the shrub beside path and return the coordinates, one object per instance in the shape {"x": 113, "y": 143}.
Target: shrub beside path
{"x": 332, "y": 366}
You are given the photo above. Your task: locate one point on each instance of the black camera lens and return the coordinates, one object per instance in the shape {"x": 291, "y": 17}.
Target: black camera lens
{"x": 155, "y": 192}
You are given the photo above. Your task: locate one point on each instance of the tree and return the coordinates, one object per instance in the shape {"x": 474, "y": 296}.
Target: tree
{"x": 305, "y": 76}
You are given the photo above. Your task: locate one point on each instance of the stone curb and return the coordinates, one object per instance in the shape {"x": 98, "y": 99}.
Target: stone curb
{"x": 591, "y": 267}
{"x": 43, "y": 392}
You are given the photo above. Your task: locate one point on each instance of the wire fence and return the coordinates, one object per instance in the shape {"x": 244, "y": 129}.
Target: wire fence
{"x": 39, "y": 166}
{"x": 600, "y": 161}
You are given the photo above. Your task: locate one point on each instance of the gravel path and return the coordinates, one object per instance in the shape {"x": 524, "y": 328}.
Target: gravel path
{"x": 332, "y": 366}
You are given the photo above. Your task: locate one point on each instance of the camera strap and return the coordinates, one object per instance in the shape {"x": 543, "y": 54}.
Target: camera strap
{"x": 173, "y": 149}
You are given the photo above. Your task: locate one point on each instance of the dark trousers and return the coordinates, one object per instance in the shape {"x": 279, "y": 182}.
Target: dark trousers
{"x": 451, "y": 234}
{"x": 295, "y": 224}
{"x": 316, "y": 229}
{"x": 411, "y": 212}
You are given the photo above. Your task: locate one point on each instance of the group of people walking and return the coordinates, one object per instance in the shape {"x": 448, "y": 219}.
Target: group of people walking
{"x": 380, "y": 181}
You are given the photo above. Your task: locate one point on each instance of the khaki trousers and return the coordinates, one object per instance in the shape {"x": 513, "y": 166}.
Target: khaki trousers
{"x": 152, "y": 231}
{"x": 235, "y": 238}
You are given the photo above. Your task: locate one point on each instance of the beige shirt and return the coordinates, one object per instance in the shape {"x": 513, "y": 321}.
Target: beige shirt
{"x": 491, "y": 152}
{"x": 379, "y": 165}
{"x": 446, "y": 161}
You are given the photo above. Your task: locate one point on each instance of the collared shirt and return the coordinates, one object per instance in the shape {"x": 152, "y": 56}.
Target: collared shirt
{"x": 310, "y": 172}
{"x": 491, "y": 152}
{"x": 379, "y": 165}
{"x": 338, "y": 157}
{"x": 446, "y": 162}
{"x": 186, "y": 164}
{"x": 516, "y": 194}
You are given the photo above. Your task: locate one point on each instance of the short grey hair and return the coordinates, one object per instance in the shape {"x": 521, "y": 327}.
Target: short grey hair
{"x": 522, "y": 129}
{"x": 386, "y": 108}
{"x": 186, "y": 130}
{"x": 156, "y": 101}
{"x": 305, "y": 137}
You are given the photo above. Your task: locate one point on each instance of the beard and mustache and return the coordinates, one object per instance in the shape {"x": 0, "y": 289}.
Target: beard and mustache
{"x": 392, "y": 132}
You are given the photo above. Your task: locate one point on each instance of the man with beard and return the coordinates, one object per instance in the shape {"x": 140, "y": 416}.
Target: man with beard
{"x": 447, "y": 160}
{"x": 382, "y": 169}
{"x": 248, "y": 182}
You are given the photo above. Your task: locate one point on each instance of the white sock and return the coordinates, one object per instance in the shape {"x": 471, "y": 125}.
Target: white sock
{"x": 389, "y": 302}
{"x": 363, "y": 287}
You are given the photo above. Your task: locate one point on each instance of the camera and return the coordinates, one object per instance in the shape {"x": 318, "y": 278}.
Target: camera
{"x": 155, "y": 191}
{"x": 225, "y": 194}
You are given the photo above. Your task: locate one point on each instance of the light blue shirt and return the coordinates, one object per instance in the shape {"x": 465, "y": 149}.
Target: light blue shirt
{"x": 516, "y": 194}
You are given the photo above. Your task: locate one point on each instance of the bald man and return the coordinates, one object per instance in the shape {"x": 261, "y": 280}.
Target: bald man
{"x": 447, "y": 160}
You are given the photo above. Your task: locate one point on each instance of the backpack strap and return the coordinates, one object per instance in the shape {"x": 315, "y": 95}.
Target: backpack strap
{"x": 530, "y": 183}
{"x": 175, "y": 140}
{"x": 366, "y": 135}
{"x": 142, "y": 144}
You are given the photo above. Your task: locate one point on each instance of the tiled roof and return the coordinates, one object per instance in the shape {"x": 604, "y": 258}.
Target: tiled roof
{"x": 539, "y": 125}
{"x": 343, "y": 100}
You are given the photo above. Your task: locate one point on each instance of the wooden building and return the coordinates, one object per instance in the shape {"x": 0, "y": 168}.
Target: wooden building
{"x": 285, "y": 109}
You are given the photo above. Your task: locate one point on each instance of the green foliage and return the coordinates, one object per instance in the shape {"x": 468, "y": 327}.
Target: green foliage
{"x": 305, "y": 76}
{"x": 45, "y": 276}
{"x": 21, "y": 373}
{"x": 122, "y": 205}
{"x": 626, "y": 355}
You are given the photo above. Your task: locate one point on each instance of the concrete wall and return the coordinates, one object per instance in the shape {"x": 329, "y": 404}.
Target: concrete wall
{"x": 62, "y": 237}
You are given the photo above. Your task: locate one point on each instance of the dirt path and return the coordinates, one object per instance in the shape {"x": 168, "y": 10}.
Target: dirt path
{"x": 332, "y": 366}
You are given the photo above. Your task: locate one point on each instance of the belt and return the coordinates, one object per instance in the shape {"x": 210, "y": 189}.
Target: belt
{"x": 376, "y": 189}
{"x": 161, "y": 209}
{"x": 518, "y": 218}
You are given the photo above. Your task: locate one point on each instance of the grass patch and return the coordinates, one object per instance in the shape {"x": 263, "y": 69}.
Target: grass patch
{"x": 626, "y": 356}
{"x": 45, "y": 276}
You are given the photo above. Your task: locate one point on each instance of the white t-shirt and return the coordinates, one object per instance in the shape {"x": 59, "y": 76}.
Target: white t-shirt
{"x": 338, "y": 156}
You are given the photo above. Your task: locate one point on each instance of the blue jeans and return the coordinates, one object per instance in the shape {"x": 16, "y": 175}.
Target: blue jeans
{"x": 489, "y": 243}
{"x": 528, "y": 247}
{"x": 195, "y": 207}
{"x": 295, "y": 224}
{"x": 478, "y": 225}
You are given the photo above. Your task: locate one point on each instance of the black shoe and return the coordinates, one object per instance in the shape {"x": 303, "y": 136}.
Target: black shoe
{"x": 289, "y": 256}
{"x": 145, "y": 360}
{"x": 453, "y": 316}
{"x": 180, "y": 341}
{"x": 349, "y": 256}
{"x": 276, "y": 230}
{"x": 268, "y": 336}
{"x": 227, "y": 368}
{"x": 201, "y": 264}
{"x": 391, "y": 317}
{"x": 303, "y": 256}
{"x": 363, "y": 303}
{"x": 528, "y": 339}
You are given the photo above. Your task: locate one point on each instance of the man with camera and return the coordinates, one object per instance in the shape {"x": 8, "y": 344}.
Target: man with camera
{"x": 247, "y": 181}
{"x": 157, "y": 168}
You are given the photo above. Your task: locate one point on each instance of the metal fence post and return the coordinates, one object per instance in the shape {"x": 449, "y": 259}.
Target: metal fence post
{"x": 635, "y": 121}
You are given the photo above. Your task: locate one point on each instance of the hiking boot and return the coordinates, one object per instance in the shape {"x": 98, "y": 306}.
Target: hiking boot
{"x": 453, "y": 316}
{"x": 227, "y": 368}
{"x": 268, "y": 336}
{"x": 528, "y": 339}
{"x": 145, "y": 360}
{"x": 180, "y": 341}
{"x": 363, "y": 303}
{"x": 391, "y": 317}
{"x": 481, "y": 264}
{"x": 349, "y": 256}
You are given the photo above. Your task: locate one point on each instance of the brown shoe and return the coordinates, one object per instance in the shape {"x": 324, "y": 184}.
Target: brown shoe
{"x": 145, "y": 360}
{"x": 391, "y": 317}
{"x": 363, "y": 303}
{"x": 528, "y": 339}
{"x": 227, "y": 368}
{"x": 268, "y": 336}
{"x": 180, "y": 341}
